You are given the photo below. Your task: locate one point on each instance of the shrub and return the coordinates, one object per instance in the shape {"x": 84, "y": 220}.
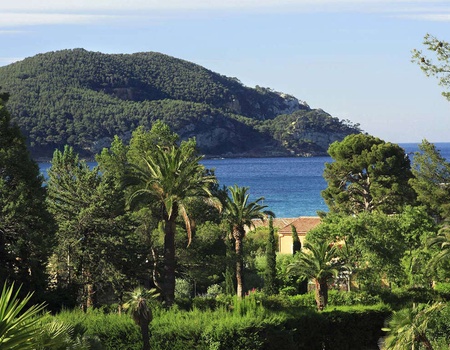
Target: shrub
{"x": 204, "y": 303}
{"x": 116, "y": 332}
{"x": 183, "y": 289}
{"x": 214, "y": 290}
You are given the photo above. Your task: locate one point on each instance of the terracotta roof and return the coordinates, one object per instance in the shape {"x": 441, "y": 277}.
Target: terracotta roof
{"x": 303, "y": 224}
{"x": 278, "y": 223}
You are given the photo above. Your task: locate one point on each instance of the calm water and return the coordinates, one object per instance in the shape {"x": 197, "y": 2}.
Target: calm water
{"x": 291, "y": 186}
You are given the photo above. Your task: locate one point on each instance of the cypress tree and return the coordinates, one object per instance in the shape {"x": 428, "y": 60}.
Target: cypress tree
{"x": 296, "y": 244}
{"x": 297, "y": 247}
{"x": 270, "y": 285}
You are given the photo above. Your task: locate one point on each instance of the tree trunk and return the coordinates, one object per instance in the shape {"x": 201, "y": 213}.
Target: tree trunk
{"x": 321, "y": 294}
{"x": 145, "y": 334}
{"x": 169, "y": 261}
{"x": 239, "y": 266}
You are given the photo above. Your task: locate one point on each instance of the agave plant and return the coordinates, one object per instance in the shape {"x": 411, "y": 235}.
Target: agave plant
{"x": 18, "y": 324}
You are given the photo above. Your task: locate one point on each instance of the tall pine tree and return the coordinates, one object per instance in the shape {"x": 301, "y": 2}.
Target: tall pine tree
{"x": 26, "y": 229}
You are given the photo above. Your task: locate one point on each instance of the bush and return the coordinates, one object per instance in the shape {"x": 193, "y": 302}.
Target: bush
{"x": 243, "y": 325}
{"x": 214, "y": 290}
{"x": 116, "y": 332}
{"x": 204, "y": 303}
{"x": 443, "y": 290}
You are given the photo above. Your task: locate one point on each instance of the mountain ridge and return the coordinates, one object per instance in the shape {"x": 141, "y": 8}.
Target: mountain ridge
{"x": 84, "y": 98}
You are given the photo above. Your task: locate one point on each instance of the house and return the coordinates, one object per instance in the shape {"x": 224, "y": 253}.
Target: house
{"x": 303, "y": 225}
{"x": 282, "y": 226}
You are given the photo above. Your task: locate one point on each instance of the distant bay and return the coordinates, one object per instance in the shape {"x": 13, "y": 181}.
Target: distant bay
{"x": 291, "y": 186}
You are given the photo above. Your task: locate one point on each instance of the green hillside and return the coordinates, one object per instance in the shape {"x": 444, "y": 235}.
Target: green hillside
{"x": 84, "y": 98}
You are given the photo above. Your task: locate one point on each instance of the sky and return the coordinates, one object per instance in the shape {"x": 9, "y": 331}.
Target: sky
{"x": 351, "y": 58}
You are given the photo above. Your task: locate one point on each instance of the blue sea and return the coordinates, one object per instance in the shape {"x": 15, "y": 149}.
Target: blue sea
{"x": 291, "y": 186}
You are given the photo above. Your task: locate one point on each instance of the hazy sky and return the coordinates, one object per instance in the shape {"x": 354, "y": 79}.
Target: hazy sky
{"x": 352, "y": 58}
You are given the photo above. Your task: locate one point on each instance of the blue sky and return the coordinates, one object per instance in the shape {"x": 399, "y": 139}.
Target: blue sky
{"x": 352, "y": 58}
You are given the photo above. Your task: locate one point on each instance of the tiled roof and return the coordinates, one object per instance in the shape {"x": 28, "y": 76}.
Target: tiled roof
{"x": 303, "y": 224}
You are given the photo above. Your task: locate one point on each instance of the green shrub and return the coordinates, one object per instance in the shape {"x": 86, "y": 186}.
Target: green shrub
{"x": 337, "y": 298}
{"x": 183, "y": 289}
{"x": 288, "y": 291}
{"x": 214, "y": 290}
{"x": 116, "y": 332}
{"x": 204, "y": 303}
{"x": 399, "y": 299}
{"x": 245, "y": 324}
{"x": 443, "y": 290}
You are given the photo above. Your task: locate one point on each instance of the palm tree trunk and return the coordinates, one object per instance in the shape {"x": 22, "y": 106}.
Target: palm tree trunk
{"x": 169, "y": 261}
{"x": 321, "y": 294}
{"x": 145, "y": 334}
{"x": 239, "y": 268}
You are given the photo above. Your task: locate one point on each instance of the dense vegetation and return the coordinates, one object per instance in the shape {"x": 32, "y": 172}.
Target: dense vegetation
{"x": 150, "y": 215}
{"x": 83, "y": 99}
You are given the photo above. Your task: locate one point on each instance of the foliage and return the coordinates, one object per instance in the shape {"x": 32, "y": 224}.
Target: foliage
{"x": 442, "y": 242}
{"x": 204, "y": 262}
{"x": 83, "y": 99}
{"x": 93, "y": 229}
{"x": 381, "y": 248}
{"x": 296, "y": 244}
{"x": 26, "y": 227}
{"x": 368, "y": 175}
{"x": 439, "y": 65}
{"x": 319, "y": 262}
{"x": 239, "y": 213}
{"x": 17, "y": 322}
{"x": 115, "y": 331}
{"x": 409, "y": 328}
{"x": 169, "y": 177}
{"x": 270, "y": 284}
{"x": 431, "y": 178}
{"x": 138, "y": 304}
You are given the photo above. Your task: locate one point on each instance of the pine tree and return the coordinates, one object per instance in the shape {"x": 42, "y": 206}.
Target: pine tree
{"x": 270, "y": 284}
{"x": 26, "y": 228}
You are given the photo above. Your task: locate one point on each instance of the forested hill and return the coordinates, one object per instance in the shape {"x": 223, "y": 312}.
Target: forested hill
{"x": 84, "y": 98}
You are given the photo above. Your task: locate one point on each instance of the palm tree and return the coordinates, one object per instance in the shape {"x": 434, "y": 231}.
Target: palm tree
{"x": 239, "y": 213}
{"x": 442, "y": 241}
{"x": 138, "y": 304}
{"x": 319, "y": 262}
{"x": 407, "y": 328}
{"x": 171, "y": 176}
{"x": 18, "y": 324}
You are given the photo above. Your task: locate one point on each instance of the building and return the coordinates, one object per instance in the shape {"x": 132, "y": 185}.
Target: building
{"x": 302, "y": 224}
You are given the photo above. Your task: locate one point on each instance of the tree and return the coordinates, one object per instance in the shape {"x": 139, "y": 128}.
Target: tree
{"x": 409, "y": 328}
{"x": 442, "y": 242}
{"x": 270, "y": 284}
{"x": 431, "y": 180}
{"x": 26, "y": 227}
{"x": 296, "y": 244}
{"x": 440, "y": 69}
{"x": 239, "y": 213}
{"x": 381, "y": 247}
{"x": 138, "y": 305}
{"x": 319, "y": 262}
{"x": 170, "y": 177}
{"x": 92, "y": 241}
{"x": 368, "y": 175}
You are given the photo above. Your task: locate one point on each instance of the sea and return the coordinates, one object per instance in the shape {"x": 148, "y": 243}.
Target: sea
{"x": 290, "y": 187}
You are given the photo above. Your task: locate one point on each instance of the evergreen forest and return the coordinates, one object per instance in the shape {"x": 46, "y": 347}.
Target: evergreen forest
{"x": 83, "y": 99}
